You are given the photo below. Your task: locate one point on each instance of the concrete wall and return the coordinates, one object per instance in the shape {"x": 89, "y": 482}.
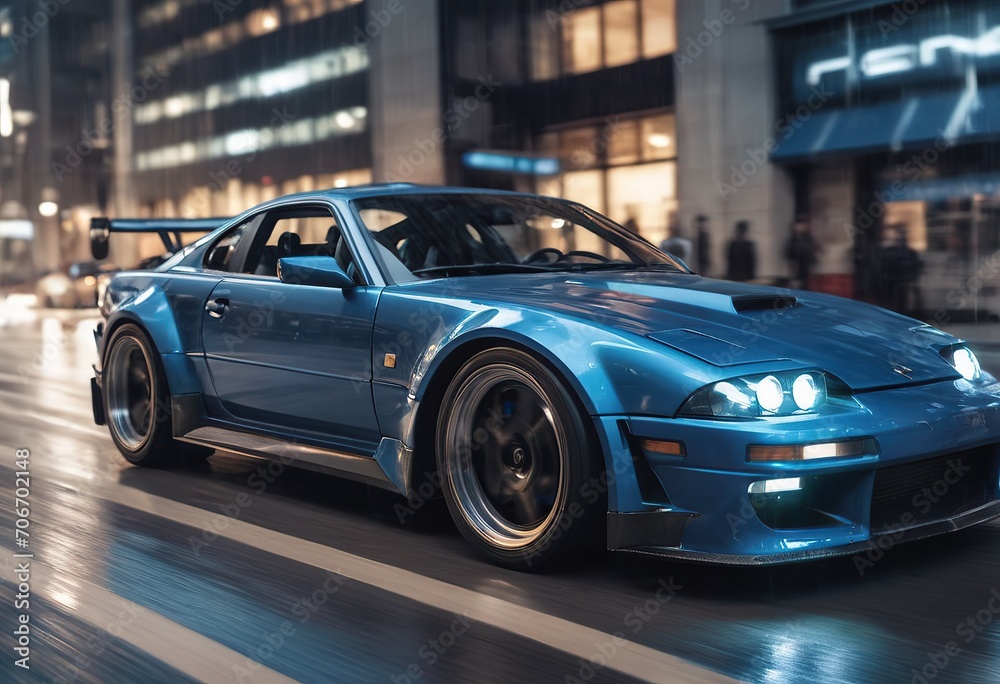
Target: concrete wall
{"x": 405, "y": 102}
{"x": 725, "y": 118}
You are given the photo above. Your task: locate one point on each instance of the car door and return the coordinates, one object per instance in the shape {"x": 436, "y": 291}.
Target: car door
{"x": 293, "y": 359}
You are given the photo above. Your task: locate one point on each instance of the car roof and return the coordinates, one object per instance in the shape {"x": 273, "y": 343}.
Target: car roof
{"x": 381, "y": 189}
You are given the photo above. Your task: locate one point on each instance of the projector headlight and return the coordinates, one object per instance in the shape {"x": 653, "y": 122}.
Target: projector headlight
{"x": 774, "y": 394}
{"x": 965, "y": 362}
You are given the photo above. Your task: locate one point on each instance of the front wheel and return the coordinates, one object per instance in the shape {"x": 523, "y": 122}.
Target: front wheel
{"x": 516, "y": 462}
{"x": 137, "y": 402}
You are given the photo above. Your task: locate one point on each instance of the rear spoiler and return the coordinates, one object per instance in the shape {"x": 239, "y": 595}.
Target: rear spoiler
{"x": 169, "y": 231}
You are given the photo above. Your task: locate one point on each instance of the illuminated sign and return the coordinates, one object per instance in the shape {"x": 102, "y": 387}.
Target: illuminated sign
{"x": 509, "y": 163}
{"x": 908, "y": 57}
{"x": 17, "y": 230}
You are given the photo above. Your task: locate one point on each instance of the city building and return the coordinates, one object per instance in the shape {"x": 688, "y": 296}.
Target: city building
{"x": 861, "y": 114}
{"x": 186, "y": 108}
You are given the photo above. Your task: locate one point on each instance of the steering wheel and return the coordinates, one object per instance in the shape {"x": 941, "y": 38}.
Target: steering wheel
{"x": 585, "y": 254}
{"x": 544, "y": 251}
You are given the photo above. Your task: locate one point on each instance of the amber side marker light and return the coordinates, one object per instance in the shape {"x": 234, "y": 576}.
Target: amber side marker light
{"x": 813, "y": 452}
{"x": 660, "y": 446}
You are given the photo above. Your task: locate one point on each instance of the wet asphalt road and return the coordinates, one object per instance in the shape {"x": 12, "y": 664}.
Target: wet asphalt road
{"x": 212, "y": 573}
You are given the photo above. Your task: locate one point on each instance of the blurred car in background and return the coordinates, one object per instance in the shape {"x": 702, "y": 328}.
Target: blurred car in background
{"x": 78, "y": 287}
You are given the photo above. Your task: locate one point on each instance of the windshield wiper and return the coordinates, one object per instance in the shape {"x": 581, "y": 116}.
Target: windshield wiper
{"x": 483, "y": 269}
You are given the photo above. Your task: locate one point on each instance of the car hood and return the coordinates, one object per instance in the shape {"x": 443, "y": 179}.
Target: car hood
{"x": 727, "y": 324}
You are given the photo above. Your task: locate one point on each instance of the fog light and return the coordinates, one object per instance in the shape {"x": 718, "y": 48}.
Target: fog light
{"x": 790, "y": 484}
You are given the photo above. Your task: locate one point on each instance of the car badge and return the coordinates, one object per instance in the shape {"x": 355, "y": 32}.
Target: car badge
{"x": 902, "y": 370}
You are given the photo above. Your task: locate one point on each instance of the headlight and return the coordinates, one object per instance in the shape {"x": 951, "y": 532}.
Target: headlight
{"x": 774, "y": 394}
{"x": 964, "y": 361}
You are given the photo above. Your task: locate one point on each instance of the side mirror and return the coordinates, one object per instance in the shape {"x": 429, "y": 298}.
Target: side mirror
{"x": 100, "y": 231}
{"x": 319, "y": 271}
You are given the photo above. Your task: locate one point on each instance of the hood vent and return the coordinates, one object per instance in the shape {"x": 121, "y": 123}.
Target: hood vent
{"x": 744, "y": 303}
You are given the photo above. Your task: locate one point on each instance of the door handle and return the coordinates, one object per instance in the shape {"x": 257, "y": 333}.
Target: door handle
{"x": 217, "y": 308}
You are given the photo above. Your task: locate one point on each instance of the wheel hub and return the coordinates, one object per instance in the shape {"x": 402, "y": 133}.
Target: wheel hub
{"x": 518, "y": 463}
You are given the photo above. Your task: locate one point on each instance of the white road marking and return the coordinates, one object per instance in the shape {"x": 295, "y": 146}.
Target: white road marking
{"x": 183, "y": 649}
{"x": 632, "y": 659}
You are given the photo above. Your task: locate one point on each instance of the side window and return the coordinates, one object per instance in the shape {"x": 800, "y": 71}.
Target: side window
{"x": 220, "y": 256}
{"x": 299, "y": 232}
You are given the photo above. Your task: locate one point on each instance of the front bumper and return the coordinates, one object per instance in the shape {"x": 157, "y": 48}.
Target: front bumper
{"x": 937, "y": 469}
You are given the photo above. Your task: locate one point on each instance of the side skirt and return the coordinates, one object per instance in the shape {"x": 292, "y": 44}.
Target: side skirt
{"x": 388, "y": 468}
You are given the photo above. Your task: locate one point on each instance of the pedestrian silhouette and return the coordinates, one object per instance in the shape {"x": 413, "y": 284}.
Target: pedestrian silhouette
{"x": 898, "y": 271}
{"x": 742, "y": 255}
{"x": 704, "y": 243}
{"x": 800, "y": 252}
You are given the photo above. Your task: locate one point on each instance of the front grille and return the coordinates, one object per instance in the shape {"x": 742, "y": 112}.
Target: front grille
{"x": 935, "y": 489}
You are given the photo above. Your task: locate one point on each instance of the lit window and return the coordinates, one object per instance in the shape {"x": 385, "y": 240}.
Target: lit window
{"x": 262, "y": 21}
{"x": 659, "y": 137}
{"x": 212, "y": 41}
{"x": 581, "y": 147}
{"x": 250, "y": 141}
{"x": 623, "y": 141}
{"x": 659, "y": 27}
{"x": 582, "y": 41}
{"x": 586, "y": 187}
{"x": 621, "y": 32}
{"x": 544, "y": 49}
{"x": 646, "y": 194}
{"x": 291, "y": 76}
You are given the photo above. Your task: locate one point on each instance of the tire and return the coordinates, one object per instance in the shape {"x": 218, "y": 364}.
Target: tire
{"x": 516, "y": 462}
{"x": 137, "y": 403}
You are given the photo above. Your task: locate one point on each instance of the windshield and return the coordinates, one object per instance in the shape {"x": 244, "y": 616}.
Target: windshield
{"x": 439, "y": 235}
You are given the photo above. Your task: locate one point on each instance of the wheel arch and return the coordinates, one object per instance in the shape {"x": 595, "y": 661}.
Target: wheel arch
{"x": 447, "y": 364}
{"x": 179, "y": 370}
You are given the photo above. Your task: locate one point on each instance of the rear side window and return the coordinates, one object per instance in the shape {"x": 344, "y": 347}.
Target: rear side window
{"x": 220, "y": 256}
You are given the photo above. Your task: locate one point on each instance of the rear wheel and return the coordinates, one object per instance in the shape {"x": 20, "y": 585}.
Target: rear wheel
{"x": 515, "y": 461}
{"x": 137, "y": 402}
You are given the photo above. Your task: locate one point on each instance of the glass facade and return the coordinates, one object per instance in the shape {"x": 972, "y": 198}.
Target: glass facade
{"x": 213, "y": 140}
{"x": 908, "y": 123}
{"x": 602, "y": 36}
{"x": 623, "y": 167}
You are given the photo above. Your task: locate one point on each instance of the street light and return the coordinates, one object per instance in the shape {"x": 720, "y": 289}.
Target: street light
{"x": 49, "y": 206}
{"x": 6, "y": 113}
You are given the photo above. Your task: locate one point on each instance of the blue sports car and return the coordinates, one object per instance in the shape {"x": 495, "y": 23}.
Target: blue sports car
{"x": 559, "y": 380}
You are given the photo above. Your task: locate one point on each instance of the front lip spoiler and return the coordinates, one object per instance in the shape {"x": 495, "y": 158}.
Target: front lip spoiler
{"x": 982, "y": 514}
